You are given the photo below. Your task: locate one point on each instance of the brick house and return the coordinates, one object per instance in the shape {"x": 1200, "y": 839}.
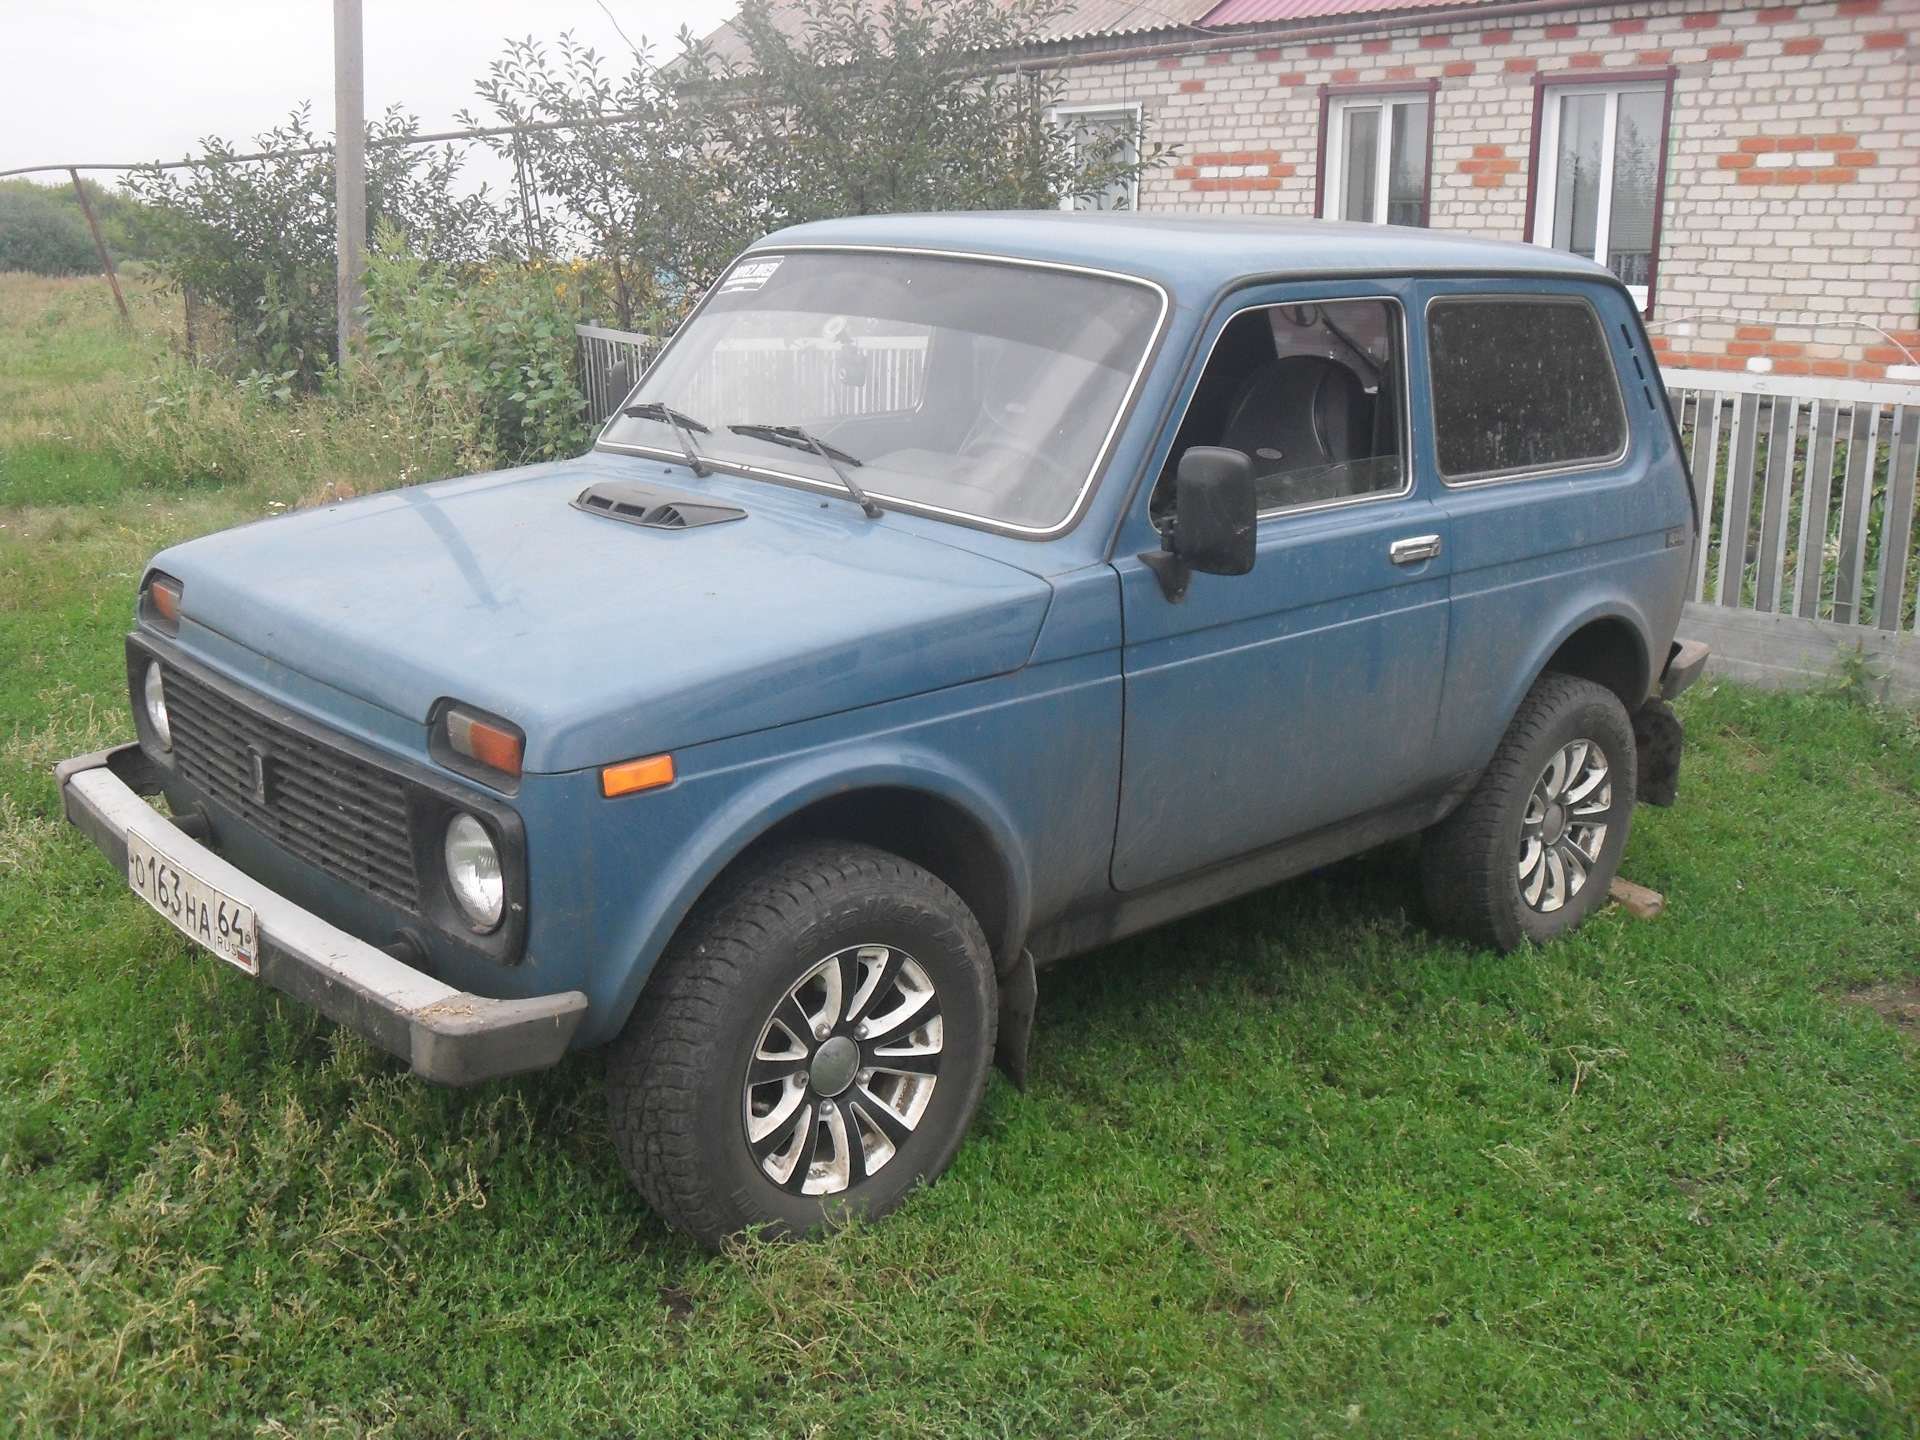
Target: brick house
{"x": 1753, "y": 173}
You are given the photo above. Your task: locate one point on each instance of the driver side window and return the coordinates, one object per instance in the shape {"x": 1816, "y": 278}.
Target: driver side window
{"x": 1312, "y": 394}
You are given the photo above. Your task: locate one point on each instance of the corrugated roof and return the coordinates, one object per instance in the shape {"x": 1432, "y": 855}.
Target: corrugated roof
{"x": 1126, "y": 17}
{"x": 1253, "y": 12}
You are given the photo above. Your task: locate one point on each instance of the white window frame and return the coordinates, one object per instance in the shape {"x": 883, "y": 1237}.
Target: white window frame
{"x": 1547, "y": 192}
{"x": 1064, "y": 115}
{"x": 1333, "y": 203}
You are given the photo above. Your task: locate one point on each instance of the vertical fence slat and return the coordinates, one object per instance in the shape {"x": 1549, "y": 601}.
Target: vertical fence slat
{"x": 1896, "y": 525}
{"x": 1736, "y": 517}
{"x": 1706, "y": 471}
{"x": 1854, "y": 501}
{"x": 1816, "y": 497}
{"x": 1770, "y": 554}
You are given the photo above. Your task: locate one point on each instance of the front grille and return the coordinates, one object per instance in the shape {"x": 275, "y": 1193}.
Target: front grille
{"x": 331, "y": 809}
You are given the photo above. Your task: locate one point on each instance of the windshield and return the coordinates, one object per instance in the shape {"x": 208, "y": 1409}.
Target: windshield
{"x": 969, "y": 387}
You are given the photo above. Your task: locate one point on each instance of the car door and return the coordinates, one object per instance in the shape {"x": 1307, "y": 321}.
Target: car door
{"x": 1267, "y": 705}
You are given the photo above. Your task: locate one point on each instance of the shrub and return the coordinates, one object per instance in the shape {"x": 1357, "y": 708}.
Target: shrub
{"x": 491, "y": 347}
{"x": 40, "y": 235}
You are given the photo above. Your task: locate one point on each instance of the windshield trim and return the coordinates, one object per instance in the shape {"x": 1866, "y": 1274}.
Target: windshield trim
{"x": 894, "y": 502}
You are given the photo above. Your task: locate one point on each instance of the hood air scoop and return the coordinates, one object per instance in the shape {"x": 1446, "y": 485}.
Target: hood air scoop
{"x": 633, "y": 504}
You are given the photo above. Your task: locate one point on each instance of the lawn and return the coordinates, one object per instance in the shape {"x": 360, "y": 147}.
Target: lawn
{"x": 1295, "y": 1167}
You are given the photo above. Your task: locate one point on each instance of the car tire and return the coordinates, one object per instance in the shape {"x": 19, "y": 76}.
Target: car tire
{"x": 1532, "y": 850}
{"x": 812, "y": 1046}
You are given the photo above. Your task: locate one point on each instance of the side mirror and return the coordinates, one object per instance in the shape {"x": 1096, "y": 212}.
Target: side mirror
{"x": 1214, "y": 519}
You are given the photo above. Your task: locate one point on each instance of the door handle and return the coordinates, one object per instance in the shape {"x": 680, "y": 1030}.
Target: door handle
{"x": 1414, "y": 549}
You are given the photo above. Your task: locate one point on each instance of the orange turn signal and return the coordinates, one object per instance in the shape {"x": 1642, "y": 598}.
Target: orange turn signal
{"x": 631, "y": 775}
{"x": 489, "y": 744}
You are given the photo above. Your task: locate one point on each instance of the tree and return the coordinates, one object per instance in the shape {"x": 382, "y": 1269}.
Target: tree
{"x": 256, "y": 237}
{"x": 38, "y": 234}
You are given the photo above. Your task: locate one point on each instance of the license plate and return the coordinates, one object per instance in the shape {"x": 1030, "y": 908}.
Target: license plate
{"x": 197, "y": 909}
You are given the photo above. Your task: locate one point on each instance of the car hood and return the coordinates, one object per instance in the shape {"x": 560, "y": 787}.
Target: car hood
{"x": 606, "y": 640}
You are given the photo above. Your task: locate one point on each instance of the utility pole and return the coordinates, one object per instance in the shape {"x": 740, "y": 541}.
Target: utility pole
{"x": 349, "y": 169}
{"x": 106, "y": 260}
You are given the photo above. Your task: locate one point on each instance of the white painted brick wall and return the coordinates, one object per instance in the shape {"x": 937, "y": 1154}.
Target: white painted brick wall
{"x": 1817, "y": 103}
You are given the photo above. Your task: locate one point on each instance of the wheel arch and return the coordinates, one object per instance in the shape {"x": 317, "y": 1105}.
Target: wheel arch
{"x": 919, "y": 807}
{"x": 1611, "y": 651}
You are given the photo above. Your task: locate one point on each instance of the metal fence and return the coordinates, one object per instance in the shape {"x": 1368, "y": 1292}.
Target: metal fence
{"x": 611, "y": 364}
{"x": 1807, "y": 492}
{"x": 1806, "y": 559}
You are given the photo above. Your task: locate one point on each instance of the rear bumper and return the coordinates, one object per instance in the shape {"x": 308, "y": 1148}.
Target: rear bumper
{"x": 448, "y": 1036}
{"x": 1685, "y": 660}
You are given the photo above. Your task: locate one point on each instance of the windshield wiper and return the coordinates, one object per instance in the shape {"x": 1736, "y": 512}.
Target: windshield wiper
{"x": 661, "y": 415}
{"x": 794, "y": 438}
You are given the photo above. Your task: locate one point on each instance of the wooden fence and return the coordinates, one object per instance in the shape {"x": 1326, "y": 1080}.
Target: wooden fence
{"x": 1807, "y": 554}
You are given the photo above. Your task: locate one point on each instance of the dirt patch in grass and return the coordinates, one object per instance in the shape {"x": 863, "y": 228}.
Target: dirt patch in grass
{"x": 1897, "y": 1002}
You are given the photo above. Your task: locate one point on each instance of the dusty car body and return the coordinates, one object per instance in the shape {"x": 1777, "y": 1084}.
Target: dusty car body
{"x": 1194, "y": 554}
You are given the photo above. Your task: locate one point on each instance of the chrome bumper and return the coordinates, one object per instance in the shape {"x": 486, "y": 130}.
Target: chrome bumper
{"x": 447, "y": 1035}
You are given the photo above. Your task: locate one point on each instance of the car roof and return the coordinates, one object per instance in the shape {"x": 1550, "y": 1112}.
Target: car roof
{"x": 1196, "y": 255}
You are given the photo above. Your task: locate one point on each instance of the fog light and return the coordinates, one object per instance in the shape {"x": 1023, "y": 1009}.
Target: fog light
{"x": 473, "y": 872}
{"x": 156, "y": 699}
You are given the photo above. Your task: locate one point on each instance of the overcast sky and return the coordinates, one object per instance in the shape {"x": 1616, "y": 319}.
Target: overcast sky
{"x": 123, "y": 80}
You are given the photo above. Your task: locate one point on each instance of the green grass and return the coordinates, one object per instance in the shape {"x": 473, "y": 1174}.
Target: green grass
{"x": 1295, "y": 1167}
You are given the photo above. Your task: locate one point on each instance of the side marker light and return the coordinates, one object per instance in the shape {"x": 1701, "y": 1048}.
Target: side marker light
{"x": 631, "y": 775}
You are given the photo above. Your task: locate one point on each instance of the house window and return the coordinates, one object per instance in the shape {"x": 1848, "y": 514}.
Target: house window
{"x": 1103, "y": 138}
{"x": 1376, "y": 156}
{"x": 1602, "y": 157}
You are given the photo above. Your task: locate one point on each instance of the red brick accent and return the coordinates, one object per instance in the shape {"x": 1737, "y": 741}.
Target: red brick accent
{"x": 1459, "y": 67}
{"x": 1375, "y": 47}
{"x": 1586, "y": 62}
{"x": 1192, "y": 87}
{"x": 1860, "y": 159}
{"x": 1292, "y": 79}
{"x": 1629, "y": 27}
{"x": 1521, "y": 67}
{"x": 1562, "y": 32}
{"x": 1834, "y": 142}
{"x": 1886, "y": 40}
{"x": 1319, "y": 52}
{"x": 1753, "y": 332}
{"x": 1836, "y": 369}
{"x": 1859, "y": 7}
{"x": 1239, "y": 157}
{"x": 1219, "y": 57}
{"x": 1496, "y": 37}
{"x": 1776, "y": 15}
{"x": 1735, "y": 162}
{"x": 1488, "y": 182}
{"x": 1725, "y": 52}
{"x": 1345, "y": 77}
{"x": 1796, "y": 143}
{"x": 1473, "y": 167}
{"x": 1435, "y": 42}
{"x": 1489, "y": 152}
{"x": 1886, "y": 355}
{"x": 1759, "y": 145}
{"x": 1266, "y": 55}
{"x": 1654, "y": 57}
{"x": 1807, "y": 45}
{"x": 1172, "y": 62}
{"x": 1661, "y": 342}
{"x": 1742, "y": 347}
{"x": 1700, "y": 22}
{"x": 1782, "y": 350}
{"x": 1186, "y": 172}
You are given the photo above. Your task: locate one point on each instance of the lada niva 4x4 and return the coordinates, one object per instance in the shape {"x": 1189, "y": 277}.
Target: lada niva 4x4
{"x": 954, "y": 594}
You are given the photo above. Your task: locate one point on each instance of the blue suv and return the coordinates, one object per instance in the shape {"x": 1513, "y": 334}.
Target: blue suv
{"x": 955, "y": 594}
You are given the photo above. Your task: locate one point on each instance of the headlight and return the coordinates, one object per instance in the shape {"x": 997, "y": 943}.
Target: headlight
{"x": 157, "y": 706}
{"x": 473, "y": 872}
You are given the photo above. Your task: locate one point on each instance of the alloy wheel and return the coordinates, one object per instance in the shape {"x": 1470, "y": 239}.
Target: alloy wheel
{"x": 1564, "y": 826}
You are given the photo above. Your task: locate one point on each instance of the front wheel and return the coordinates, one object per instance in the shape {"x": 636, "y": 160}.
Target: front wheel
{"x": 814, "y": 1045}
{"x": 1533, "y": 849}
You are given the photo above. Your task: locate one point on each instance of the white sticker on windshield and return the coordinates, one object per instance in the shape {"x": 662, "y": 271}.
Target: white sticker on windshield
{"x": 751, "y": 275}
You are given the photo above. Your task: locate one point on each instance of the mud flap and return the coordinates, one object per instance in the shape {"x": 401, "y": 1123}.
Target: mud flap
{"x": 1019, "y": 996}
{"x": 1658, "y": 737}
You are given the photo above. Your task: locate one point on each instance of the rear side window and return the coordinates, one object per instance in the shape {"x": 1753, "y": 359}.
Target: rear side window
{"x": 1521, "y": 383}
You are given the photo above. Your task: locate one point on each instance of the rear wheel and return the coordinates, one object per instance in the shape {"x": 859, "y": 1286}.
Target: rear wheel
{"x": 1531, "y": 852}
{"x": 813, "y": 1045}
